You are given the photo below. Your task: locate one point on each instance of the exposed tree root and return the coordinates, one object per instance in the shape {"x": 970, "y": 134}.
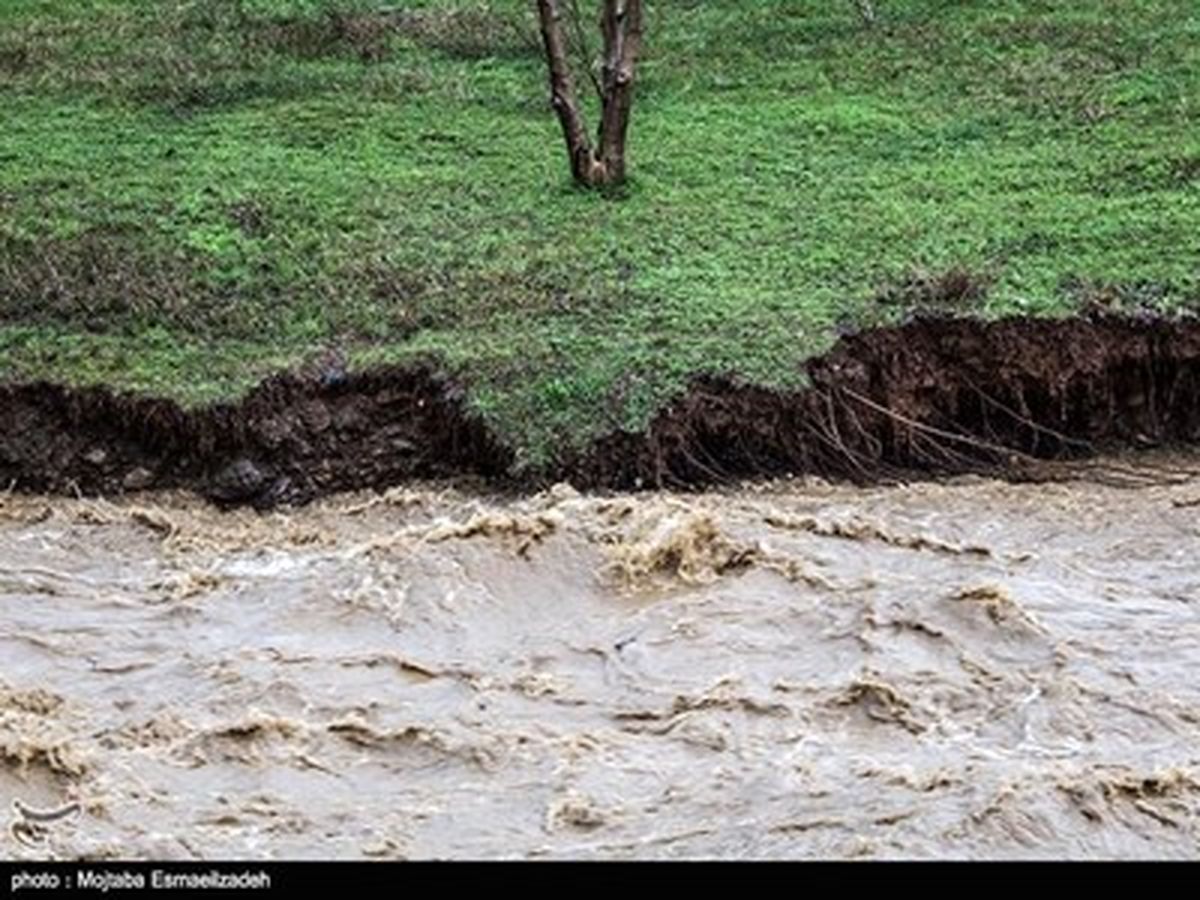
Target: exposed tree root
{"x": 940, "y": 396}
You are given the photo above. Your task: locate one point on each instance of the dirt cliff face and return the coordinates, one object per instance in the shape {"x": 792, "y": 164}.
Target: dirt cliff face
{"x": 289, "y": 440}
{"x": 937, "y": 396}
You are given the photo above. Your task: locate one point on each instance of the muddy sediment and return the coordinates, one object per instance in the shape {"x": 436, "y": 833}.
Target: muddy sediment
{"x": 942, "y": 396}
{"x": 290, "y": 440}
{"x": 965, "y": 668}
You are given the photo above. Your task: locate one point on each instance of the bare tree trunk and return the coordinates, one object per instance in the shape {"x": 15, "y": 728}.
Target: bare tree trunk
{"x": 621, "y": 26}
{"x": 562, "y": 92}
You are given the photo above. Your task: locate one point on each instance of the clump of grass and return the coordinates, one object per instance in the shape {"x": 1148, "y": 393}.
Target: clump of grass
{"x": 953, "y": 289}
{"x": 89, "y": 280}
{"x": 471, "y": 31}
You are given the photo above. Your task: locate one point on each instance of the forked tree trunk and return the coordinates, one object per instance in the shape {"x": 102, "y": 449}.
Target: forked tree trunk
{"x": 602, "y": 163}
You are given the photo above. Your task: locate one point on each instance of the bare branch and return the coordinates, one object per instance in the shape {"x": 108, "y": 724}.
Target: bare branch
{"x": 622, "y": 26}
{"x": 581, "y": 43}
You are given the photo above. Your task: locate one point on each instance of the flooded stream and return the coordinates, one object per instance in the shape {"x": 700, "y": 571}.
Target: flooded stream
{"x": 967, "y": 669}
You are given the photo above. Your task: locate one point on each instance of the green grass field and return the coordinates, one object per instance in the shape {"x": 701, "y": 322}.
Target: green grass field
{"x": 196, "y": 193}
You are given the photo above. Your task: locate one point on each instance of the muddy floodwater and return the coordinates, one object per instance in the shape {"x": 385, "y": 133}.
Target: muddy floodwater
{"x": 968, "y": 669}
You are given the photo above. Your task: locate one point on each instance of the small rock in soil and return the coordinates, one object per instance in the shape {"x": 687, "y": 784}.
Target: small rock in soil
{"x": 239, "y": 481}
{"x": 137, "y": 479}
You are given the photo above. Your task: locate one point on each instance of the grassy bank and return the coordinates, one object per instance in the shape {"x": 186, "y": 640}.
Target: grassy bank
{"x": 195, "y": 194}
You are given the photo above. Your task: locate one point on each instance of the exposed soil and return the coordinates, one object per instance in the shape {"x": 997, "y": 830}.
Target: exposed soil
{"x": 934, "y": 395}
{"x": 289, "y": 440}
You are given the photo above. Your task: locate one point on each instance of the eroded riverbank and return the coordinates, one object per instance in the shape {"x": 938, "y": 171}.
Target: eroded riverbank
{"x": 934, "y": 396}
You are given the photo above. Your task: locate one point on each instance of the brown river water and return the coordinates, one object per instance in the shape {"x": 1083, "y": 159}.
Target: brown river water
{"x": 957, "y": 669}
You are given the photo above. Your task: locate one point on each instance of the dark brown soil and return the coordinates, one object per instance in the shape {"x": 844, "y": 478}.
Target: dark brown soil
{"x": 289, "y": 440}
{"x": 938, "y": 396}
{"x": 935, "y": 396}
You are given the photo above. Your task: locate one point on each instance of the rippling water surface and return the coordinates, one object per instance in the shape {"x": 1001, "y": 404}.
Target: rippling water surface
{"x": 966, "y": 669}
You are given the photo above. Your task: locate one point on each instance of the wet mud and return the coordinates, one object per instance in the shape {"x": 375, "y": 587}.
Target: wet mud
{"x": 968, "y": 668}
{"x": 943, "y": 396}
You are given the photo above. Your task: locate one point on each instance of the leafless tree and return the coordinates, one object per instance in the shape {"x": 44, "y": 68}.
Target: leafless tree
{"x": 603, "y": 162}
